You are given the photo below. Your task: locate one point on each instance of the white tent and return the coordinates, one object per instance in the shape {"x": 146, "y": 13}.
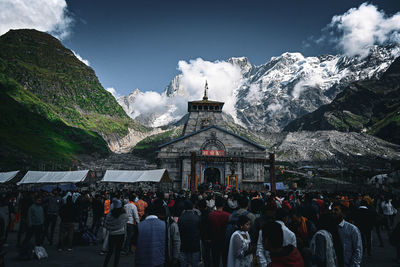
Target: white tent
{"x": 7, "y": 176}
{"x": 37, "y": 177}
{"x": 115, "y": 176}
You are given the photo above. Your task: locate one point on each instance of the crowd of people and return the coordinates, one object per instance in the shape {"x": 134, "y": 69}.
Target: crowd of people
{"x": 212, "y": 228}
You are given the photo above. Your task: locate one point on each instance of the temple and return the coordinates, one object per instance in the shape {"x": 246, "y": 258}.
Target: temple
{"x": 210, "y": 153}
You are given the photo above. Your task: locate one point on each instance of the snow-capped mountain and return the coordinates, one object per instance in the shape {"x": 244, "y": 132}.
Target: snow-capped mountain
{"x": 292, "y": 85}
{"x": 271, "y": 95}
{"x": 128, "y": 102}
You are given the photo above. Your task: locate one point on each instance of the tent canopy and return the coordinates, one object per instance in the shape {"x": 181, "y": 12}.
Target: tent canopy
{"x": 116, "y": 176}
{"x": 37, "y": 177}
{"x": 7, "y": 176}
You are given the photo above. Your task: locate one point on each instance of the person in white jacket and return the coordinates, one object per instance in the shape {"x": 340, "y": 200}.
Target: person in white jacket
{"x": 388, "y": 211}
{"x": 239, "y": 254}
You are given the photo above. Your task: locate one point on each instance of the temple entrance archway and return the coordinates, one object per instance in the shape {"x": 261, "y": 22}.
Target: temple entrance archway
{"x": 212, "y": 175}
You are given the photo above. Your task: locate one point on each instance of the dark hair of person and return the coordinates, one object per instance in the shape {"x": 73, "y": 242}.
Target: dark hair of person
{"x": 272, "y": 231}
{"x": 308, "y": 197}
{"x": 243, "y": 219}
{"x": 281, "y": 214}
{"x": 327, "y": 222}
{"x": 219, "y": 201}
{"x": 202, "y": 204}
{"x": 338, "y": 204}
{"x": 158, "y": 208}
{"x": 256, "y": 206}
{"x": 194, "y": 198}
{"x": 117, "y": 212}
{"x": 160, "y": 195}
{"x": 243, "y": 202}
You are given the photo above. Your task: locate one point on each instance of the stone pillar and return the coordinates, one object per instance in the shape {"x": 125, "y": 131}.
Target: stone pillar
{"x": 192, "y": 171}
{"x": 272, "y": 171}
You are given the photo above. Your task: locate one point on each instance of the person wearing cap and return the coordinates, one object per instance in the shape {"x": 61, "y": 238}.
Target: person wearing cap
{"x": 189, "y": 229}
{"x": 115, "y": 223}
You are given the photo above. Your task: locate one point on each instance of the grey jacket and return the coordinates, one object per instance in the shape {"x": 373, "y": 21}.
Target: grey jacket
{"x": 116, "y": 226}
{"x": 35, "y": 215}
{"x": 174, "y": 240}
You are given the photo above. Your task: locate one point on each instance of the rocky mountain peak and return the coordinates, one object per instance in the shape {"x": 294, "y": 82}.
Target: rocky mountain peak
{"x": 243, "y": 63}
{"x": 288, "y": 86}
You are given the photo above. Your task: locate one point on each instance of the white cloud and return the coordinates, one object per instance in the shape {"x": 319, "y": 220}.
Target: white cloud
{"x": 113, "y": 92}
{"x": 149, "y": 102}
{"x": 44, "y": 15}
{"x": 87, "y": 63}
{"x": 359, "y": 28}
{"x": 312, "y": 81}
{"x": 223, "y": 79}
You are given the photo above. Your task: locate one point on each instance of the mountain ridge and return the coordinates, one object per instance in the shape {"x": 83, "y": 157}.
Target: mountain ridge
{"x": 271, "y": 95}
{"x": 371, "y": 106}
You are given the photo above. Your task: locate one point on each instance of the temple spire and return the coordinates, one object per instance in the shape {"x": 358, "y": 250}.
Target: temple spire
{"x": 205, "y": 97}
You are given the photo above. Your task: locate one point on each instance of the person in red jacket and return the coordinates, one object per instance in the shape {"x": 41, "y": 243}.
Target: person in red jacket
{"x": 217, "y": 221}
{"x": 281, "y": 256}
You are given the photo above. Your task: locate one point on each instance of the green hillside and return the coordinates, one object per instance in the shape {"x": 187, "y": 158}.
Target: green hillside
{"x": 53, "y": 107}
{"x": 43, "y": 66}
{"x": 33, "y": 135}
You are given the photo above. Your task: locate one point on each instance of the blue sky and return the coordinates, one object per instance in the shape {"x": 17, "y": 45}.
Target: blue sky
{"x": 137, "y": 44}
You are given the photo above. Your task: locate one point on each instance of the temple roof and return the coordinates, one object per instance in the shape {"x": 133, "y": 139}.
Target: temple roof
{"x": 202, "y": 102}
{"x": 216, "y": 127}
{"x": 195, "y": 105}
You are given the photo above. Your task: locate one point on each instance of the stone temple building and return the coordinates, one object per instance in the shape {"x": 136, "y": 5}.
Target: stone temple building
{"x": 210, "y": 153}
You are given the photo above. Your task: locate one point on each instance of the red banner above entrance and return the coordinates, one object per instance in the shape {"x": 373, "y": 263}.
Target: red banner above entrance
{"x": 220, "y": 153}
